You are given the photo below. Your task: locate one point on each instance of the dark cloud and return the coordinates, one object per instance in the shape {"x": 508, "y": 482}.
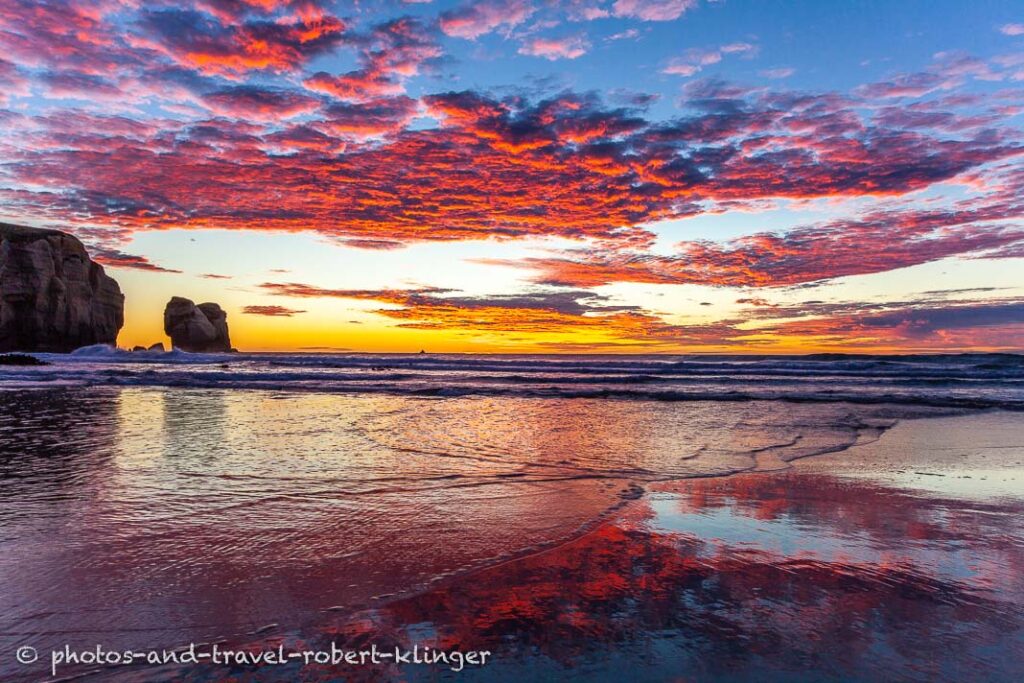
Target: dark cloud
{"x": 224, "y": 46}
{"x": 252, "y": 102}
{"x": 114, "y": 258}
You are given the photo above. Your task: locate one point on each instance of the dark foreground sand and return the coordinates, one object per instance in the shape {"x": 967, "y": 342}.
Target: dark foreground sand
{"x": 901, "y": 559}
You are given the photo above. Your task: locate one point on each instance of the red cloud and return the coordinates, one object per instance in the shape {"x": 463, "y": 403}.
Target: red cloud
{"x": 566, "y": 166}
{"x": 876, "y": 243}
{"x": 204, "y": 43}
{"x": 355, "y": 85}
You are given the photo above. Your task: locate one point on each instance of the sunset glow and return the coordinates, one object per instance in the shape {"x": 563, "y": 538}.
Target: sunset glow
{"x": 511, "y": 176}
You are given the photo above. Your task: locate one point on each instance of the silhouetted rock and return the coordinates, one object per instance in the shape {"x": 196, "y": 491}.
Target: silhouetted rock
{"x": 159, "y": 346}
{"x": 202, "y": 328}
{"x": 138, "y": 348}
{"x": 53, "y": 297}
{"x": 20, "y": 359}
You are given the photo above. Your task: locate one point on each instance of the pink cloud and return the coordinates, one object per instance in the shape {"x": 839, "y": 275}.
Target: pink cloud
{"x": 695, "y": 59}
{"x": 476, "y": 19}
{"x": 394, "y": 52}
{"x": 652, "y": 10}
{"x": 569, "y": 47}
{"x": 12, "y": 82}
{"x": 1012, "y": 29}
{"x": 782, "y": 72}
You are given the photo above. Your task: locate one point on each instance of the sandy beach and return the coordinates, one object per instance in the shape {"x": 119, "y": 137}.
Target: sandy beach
{"x": 898, "y": 559}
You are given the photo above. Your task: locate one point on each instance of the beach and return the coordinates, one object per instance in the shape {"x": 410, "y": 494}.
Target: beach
{"x": 571, "y": 537}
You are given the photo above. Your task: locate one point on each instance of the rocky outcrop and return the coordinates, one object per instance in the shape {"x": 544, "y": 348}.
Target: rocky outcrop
{"x": 53, "y": 297}
{"x": 200, "y": 329}
{"x": 20, "y": 359}
{"x": 159, "y": 346}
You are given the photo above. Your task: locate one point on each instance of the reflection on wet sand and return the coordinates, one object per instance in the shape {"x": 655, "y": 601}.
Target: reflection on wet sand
{"x": 753, "y": 577}
{"x": 152, "y": 518}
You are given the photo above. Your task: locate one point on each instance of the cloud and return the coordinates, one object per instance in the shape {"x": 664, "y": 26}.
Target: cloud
{"x": 778, "y": 73}
{"x": 568, "y": 166}
{"x": 114, "y": 258}
{"x": 695, "y": 59}
{"x": 652, "y": 10}
{"x": 907, "y": 85}
{"x": 12, "y": 82}
{"x": 569, "y": 47}
{"x": 756, "y": 301}
{"x": 475, "y": 19}
{"x": 217, "y": 46}
{"x": 1012, "y": 29}
{"x": 877, "y": 242}
{"x": 628, "y": 34}
{"x": 391, "y": 53}
{"x": 910, "y": 326}
{"x": 373, "y": 245}
{"x": 61, "y": 36}
{"x": 569, "y": 317}
{"x": 372, "y": 118}
{"x": 271, "y": 311}
{"x": 582, "y": 319}
{"x": 949, "y": 71}
{"x": 254, "y": 102}
{"x": 76, "y": 85}
{"x": 355, "y": 85}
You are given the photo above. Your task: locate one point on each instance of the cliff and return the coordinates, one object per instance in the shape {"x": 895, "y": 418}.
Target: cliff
{"x": 53, "y": 297}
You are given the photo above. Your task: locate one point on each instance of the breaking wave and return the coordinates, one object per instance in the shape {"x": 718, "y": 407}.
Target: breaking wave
{"x": 963, "y": 380}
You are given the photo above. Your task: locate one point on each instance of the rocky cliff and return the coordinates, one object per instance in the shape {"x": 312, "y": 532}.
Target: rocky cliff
{"x": 200, "y": 329}
{"x": 53, "y": 297}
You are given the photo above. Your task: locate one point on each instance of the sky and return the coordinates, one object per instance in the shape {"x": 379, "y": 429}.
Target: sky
{"x": 531, "y": 176}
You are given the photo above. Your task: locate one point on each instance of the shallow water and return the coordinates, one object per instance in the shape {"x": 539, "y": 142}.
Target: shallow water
{"x": 755, "y": 577}
{"x": 145, "y": 515}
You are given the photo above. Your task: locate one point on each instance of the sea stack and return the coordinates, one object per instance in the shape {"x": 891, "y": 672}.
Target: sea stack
{"x": 199, "y": 329}
{"x": 53, "y": 297}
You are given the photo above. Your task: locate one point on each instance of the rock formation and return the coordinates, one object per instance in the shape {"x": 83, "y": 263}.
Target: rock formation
{"x": 53, "y": 297}
{"x": 159, "y": 346}
{"x": 20, "y": 359}
{"x": 200, "y": 329}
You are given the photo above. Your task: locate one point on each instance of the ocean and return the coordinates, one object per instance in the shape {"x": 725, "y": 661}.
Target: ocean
{"x": 160, "y": 499}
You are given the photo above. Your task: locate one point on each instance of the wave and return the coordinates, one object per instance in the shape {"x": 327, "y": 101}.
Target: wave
{"x": 963, "y": 380}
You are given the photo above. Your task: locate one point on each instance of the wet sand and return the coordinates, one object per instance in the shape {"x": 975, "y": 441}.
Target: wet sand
{"x": 899, "y": 559}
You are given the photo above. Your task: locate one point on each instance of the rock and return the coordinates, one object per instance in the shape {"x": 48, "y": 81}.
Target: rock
{"x": 138, "y": 348}
{"x": 53, "y": 297}
{"x": 199, "y": 329}
{"x": 20, "y": 359}
{"x": 159, "y": 346}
